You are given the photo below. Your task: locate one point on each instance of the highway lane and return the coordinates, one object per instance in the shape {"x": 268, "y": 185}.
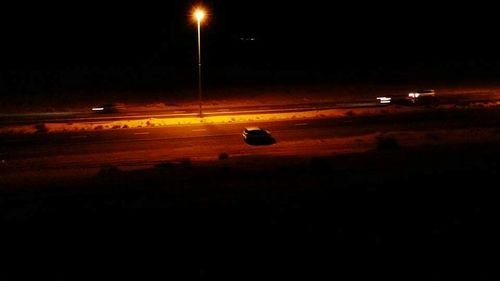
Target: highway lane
{"x": 68, "y": 117}
{"x": 89, "y": 116}
{"x": 206, "y": 136}
{"x": 353, "y": 124}
{"x": 149, "y": 146}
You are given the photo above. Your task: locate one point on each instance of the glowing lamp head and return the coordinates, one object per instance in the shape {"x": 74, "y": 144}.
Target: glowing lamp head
{"x": 199, "y": 14}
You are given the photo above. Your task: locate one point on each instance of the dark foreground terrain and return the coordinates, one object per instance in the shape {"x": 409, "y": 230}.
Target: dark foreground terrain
{"x": 395, "y": 213}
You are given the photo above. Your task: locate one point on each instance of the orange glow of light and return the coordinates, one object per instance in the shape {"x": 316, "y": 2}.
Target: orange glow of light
{"x": 199, "y": 14}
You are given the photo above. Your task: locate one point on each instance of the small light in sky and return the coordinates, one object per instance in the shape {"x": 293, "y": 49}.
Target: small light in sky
{"x": 248, "y": 38}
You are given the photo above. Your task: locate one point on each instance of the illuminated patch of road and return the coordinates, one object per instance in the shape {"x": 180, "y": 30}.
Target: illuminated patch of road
{"x": 116, "y": 141}
{"x": 144, "y": 133}
{"x": 199, "y": 130}
{"x": 301, "y": 124}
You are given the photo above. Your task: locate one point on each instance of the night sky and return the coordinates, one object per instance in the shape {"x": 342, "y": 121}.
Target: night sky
{"x": 289, "y": 35}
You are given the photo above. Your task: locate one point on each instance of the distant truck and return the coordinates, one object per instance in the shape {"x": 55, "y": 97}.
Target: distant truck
{"x": 421, "y": 97}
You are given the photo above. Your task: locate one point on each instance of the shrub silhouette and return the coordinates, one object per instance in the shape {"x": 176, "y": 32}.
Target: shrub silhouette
{"x": 387, "y": 143}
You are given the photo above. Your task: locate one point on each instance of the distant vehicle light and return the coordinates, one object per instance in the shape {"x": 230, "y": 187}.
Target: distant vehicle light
{"x": 421, "y": 93}
{"x": 422, "y": 96}
{"x": 384, "y": 99}
{"x": 108, "y": 108}
{"x": 245, "y": 39}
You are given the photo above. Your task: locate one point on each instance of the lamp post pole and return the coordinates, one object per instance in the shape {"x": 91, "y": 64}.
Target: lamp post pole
{"x": 199, "y": 64}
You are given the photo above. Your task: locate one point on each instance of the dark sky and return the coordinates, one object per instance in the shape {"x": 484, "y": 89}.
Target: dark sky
{"x": 287, "y": 33}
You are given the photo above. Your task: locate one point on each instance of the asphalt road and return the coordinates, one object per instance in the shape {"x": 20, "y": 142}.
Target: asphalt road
{"x": 150, "y": 146}
{"x": 153, "y": 145}
{"x": 124, "y": 114}
{"x": 129, "y": 114}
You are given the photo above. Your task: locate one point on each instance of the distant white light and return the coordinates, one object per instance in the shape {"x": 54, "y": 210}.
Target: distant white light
{"x": 248, "y": 38}
{"x": 98, "y": 108}
{"x": 384, "y": 99}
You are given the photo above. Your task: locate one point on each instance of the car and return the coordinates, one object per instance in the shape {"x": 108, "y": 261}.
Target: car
{"x": 257, "y": 135}
{"x": 398, "y": 99}
{"x": 421, "y": 97}
{"x": 107, "y": 108}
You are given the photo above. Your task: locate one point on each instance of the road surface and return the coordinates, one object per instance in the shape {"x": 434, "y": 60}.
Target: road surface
{"x": 88, "y": 116}
{"x": 151, "y": 146}
{"x": 130, "y": 114}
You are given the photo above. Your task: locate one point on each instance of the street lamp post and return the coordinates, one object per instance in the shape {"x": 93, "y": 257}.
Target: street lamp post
{"x": 199, "y": 15}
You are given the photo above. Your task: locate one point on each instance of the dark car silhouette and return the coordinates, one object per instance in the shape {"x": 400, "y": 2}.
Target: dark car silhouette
{"x": 257, "y": 136}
